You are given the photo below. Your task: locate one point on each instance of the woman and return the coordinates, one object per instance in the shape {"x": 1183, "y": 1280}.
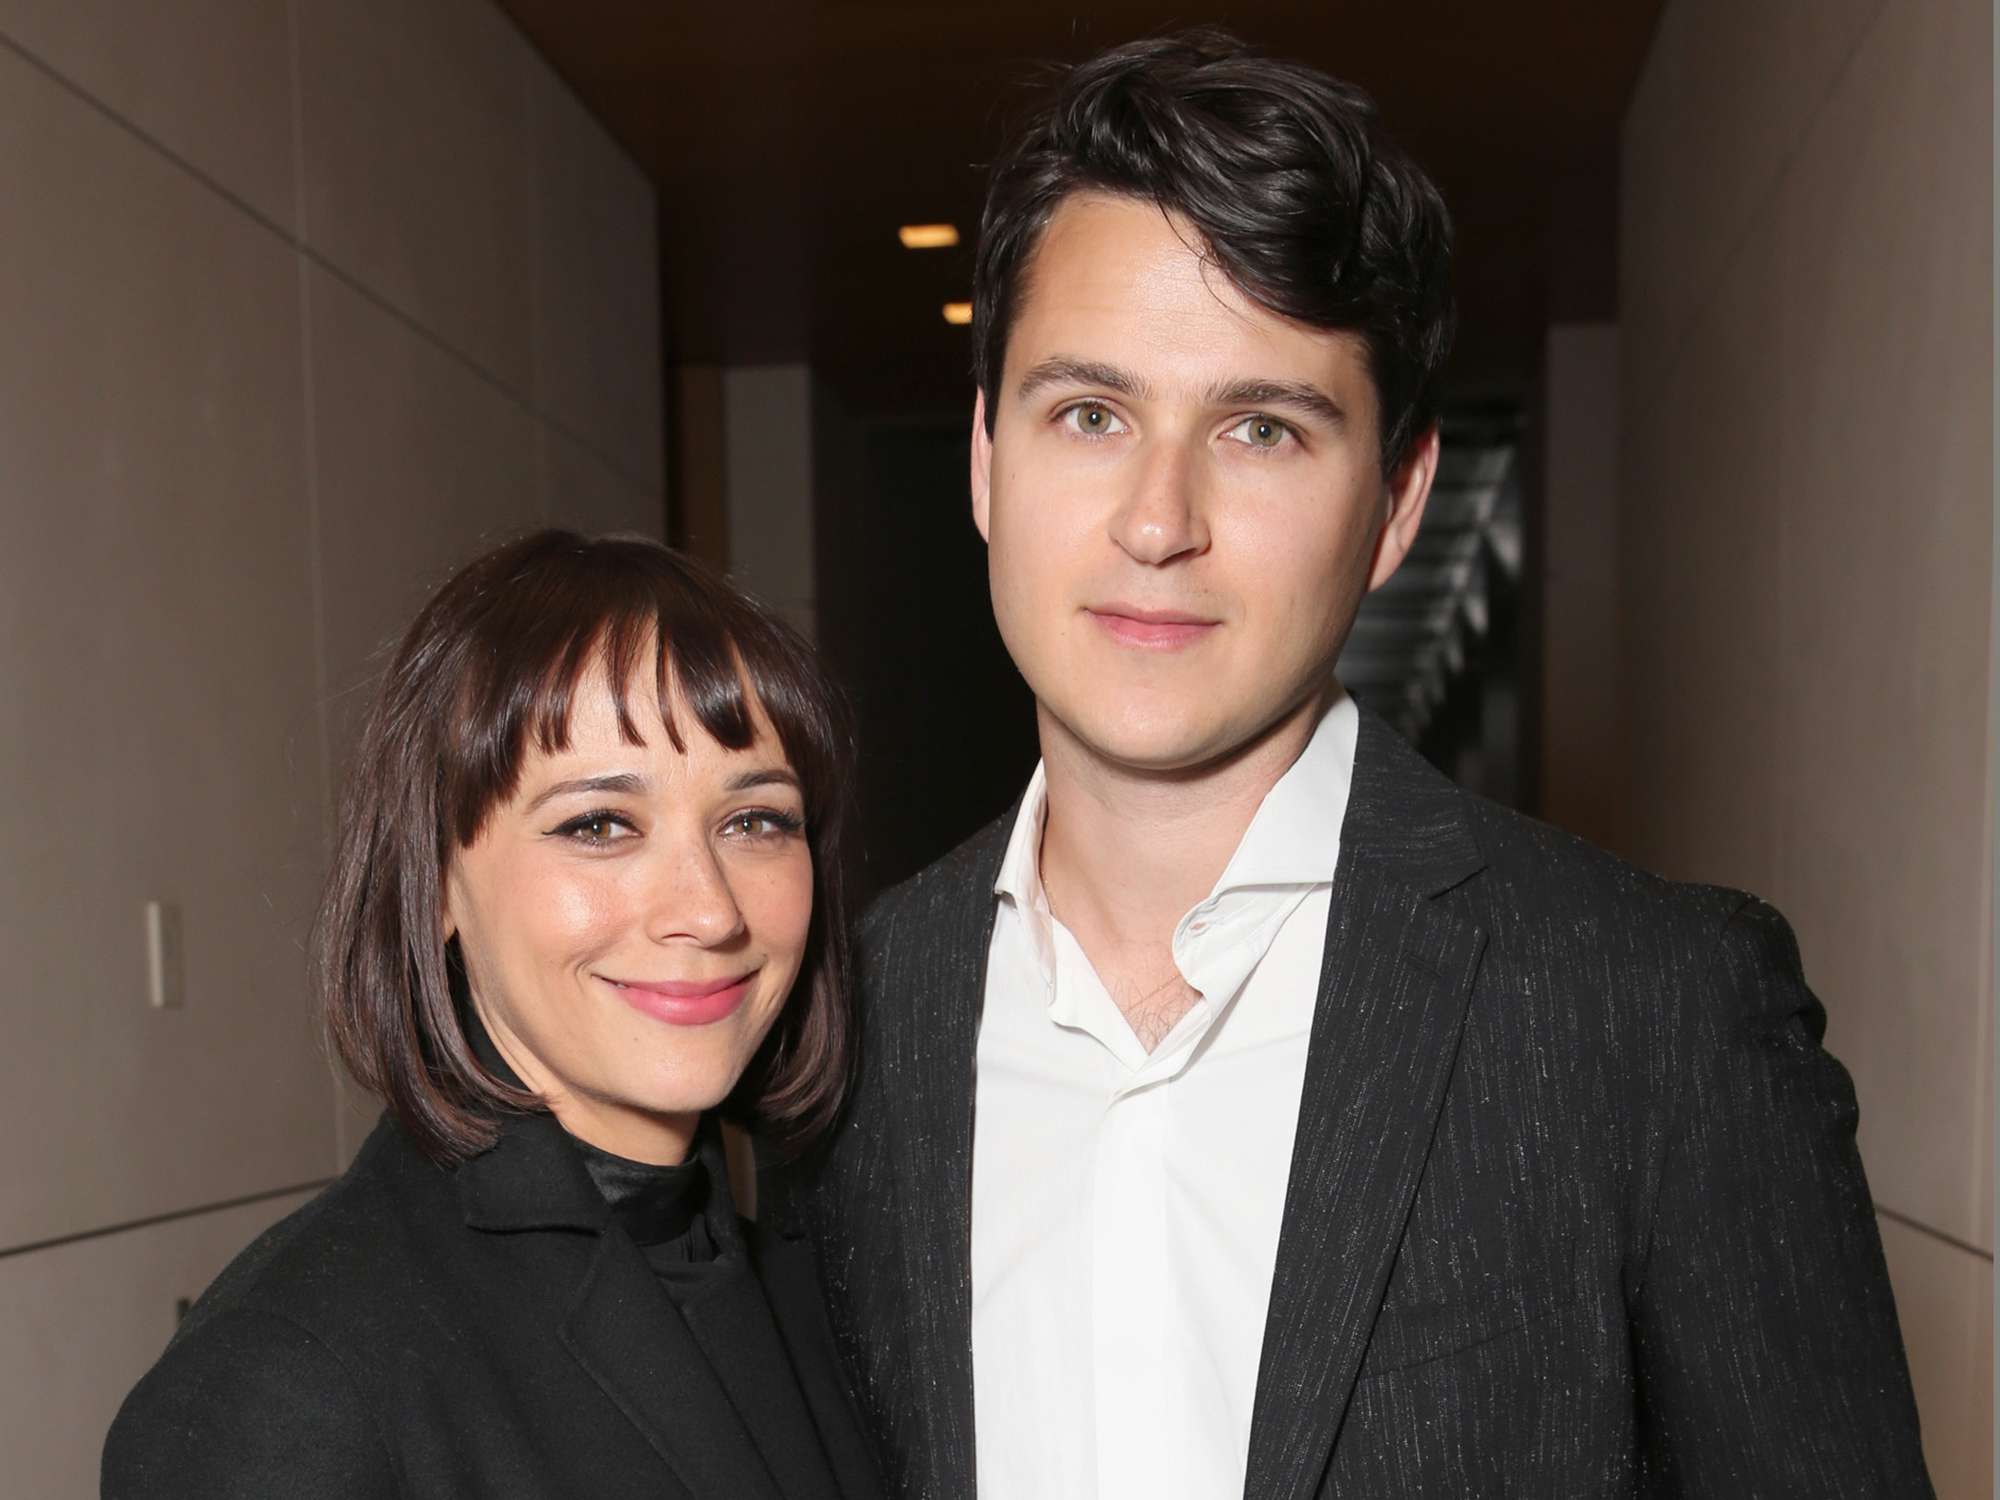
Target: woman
{"x": 585, "y": 901}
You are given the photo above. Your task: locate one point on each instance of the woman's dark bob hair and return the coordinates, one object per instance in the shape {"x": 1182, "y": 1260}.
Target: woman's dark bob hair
{"x": 490, "y": 669}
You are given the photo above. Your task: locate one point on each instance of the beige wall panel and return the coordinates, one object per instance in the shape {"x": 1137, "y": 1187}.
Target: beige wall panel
{"x": 1724, "y": 98}
{"x": 1699, "y": 543}
{"x": 582, "y": 492}
{"x": 210, "y": 80}
{"x": 1944, "y": 1300}
{"x": 422, "y": 463}
{"x": 415, "y": 127}
{"x": 156, "y": 644}
{"x": 597, "y": 288}
{"x": 1887, "y": 497}
{"x": 83, "y": 1322}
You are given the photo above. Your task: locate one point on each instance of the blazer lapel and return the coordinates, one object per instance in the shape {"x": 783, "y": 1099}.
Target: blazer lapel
{"x": 636, "y": 1346}
{"x": 939, "y": 970}
{"x": 1394, "y": 982}
{"x": 791, "y": 1282}
{"x": 619, "y": 1325}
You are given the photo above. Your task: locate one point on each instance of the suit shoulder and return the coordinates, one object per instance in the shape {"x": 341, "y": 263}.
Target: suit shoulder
{"x": 1533, "y": 863}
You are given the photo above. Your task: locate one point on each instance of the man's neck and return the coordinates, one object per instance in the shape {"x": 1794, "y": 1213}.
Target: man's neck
{"x": 1125, "y": 853}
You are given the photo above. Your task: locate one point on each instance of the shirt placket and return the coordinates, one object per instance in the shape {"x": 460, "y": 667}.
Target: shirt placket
{"x": 1136, "y": 1453}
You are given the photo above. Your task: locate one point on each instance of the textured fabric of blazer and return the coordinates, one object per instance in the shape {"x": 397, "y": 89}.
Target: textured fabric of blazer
{"x": 490, "y": 1332}
{"x": 1574, "y": 1209}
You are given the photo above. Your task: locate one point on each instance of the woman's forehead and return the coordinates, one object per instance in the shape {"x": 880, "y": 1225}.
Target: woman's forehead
{"x": 595, "y": 724}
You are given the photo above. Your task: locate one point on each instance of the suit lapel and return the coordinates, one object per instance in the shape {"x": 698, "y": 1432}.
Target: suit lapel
{"x": 1394, "y": 981}
{"x": 939, "y": 964}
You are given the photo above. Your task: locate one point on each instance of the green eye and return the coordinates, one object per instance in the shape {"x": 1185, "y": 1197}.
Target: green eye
{"x": 1261, "y": 432}
{"x": 1092, "y": 419}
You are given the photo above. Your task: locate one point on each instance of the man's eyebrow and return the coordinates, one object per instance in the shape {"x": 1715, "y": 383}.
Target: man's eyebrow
{"x": 1296, "y": 395}
{"x": 764, "y": 776}
{"x": 624, "y": 783}
{"x": 1063, "y": 370}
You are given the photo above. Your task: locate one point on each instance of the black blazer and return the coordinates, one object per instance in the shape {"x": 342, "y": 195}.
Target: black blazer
{"x": 1574, "y": 1207}
{"x": 489, "y": 1332}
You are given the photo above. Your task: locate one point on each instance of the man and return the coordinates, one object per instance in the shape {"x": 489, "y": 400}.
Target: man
{"x": 1250, "y": 1111}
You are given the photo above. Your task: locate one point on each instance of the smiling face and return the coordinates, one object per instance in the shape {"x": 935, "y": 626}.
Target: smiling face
{"x": 632, "y": 919}
{"x": 1182, "y": 496}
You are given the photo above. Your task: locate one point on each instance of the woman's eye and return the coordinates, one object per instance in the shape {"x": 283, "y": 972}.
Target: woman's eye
{"x": 1092, "y": 419}
{"x": 1260, "y": 432}
{"x": 596, "y": 828}
{"x": 762, "y": 823}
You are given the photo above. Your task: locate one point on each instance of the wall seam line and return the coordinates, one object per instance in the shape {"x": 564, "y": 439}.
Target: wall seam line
{"x": 1920, "y": 1227}
{"x": 297, "y": 242}
{"x": 56, "y": 1242}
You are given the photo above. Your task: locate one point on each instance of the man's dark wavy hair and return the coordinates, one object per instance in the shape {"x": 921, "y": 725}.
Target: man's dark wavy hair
{"x": 1287, "y": 176}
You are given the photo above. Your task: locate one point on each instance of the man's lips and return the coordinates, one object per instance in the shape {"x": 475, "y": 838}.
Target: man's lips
{"x": 683, "y": 1002}
{"x": 1159, "y": 629}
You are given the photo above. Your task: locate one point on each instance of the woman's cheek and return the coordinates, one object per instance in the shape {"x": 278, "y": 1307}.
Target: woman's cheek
{"x": 582, "y": 908}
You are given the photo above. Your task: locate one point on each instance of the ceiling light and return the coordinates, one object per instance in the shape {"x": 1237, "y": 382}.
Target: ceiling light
{"x": 928, "y": 236}
{"x": 958, "y": 312}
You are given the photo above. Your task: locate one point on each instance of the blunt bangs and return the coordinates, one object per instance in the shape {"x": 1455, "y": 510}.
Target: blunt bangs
{"x": 541, "y": 637}
{"x": 493, "y": 666}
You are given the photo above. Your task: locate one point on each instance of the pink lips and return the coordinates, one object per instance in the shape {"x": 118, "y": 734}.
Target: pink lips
{"x": 684, "y": 1002}
{"x": 1157, "y": 629}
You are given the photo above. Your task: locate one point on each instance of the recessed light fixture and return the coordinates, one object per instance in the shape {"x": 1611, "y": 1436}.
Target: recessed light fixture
{"x": 958, "y": 312}
{"x": 928, "y": 236}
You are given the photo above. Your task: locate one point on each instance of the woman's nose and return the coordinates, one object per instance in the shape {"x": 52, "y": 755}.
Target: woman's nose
{"x": 693, "y": 901}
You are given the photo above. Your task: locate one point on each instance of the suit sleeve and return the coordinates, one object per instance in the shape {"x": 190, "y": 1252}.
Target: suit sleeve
{"x": 248, "y": 1404}
{"x": 1765, "y": 1337}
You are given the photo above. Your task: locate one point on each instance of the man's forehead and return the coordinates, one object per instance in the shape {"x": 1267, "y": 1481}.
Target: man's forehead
{"x": 1118, "y": 280}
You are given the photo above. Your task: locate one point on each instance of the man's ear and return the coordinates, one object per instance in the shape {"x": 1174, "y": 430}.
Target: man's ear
{"x": 1409, "y": 488}
{"x": 982, "y": 466}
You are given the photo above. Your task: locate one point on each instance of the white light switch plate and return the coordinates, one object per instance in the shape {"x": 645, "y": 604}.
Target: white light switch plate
{"x": 166, "y": 985}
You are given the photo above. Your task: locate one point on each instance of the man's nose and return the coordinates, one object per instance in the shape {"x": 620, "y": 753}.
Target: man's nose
{"x": 692, "y": 899}
{"x": 1165, "y": 515}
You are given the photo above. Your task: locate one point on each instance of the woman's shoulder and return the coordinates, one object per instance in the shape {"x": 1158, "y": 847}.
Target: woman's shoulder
{"x": 265, "y": 1369}
{"x": 248, "y": 1402}
{"x": 339, "y": 1248}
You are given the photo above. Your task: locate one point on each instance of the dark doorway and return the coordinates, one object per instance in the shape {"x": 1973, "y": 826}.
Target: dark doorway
{"x": 947, "y": 727}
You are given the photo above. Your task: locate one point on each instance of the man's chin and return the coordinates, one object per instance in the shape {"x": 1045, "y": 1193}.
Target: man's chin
{"x": 1153, "y": 749}
{"x": 1185, "y": 745}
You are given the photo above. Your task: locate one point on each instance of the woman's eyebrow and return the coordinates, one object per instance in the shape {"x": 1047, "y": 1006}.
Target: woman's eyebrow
{"x": 764, "y": 776}
{"x": 623, "y": 783}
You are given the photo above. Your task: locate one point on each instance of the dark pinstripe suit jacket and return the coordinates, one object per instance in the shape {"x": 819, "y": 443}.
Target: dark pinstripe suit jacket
{"x": 1574, "y": 1208}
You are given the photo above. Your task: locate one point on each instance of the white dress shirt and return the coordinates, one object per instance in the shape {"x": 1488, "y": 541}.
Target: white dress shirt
{"x": 1126, "y": 1206}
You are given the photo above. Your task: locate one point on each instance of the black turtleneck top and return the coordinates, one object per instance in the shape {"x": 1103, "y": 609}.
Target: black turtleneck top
{"x": 663, "y": 1209}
